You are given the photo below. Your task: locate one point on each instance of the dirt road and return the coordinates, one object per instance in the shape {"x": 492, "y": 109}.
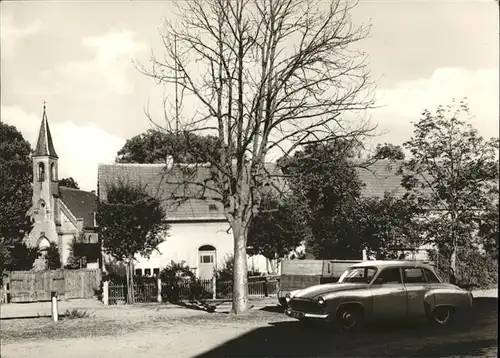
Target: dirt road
{"x": 260, "y": 334}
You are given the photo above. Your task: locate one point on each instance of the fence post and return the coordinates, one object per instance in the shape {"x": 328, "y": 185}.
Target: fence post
{"x": 4, "y": 298}
{"x": 55, "y": 314}
{"x": 158, "y": 282}
{"x": 214, "y": 287}
{"x": 105, "y": 292}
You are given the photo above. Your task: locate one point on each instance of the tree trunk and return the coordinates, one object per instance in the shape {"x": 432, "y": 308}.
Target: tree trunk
{"x": 240, "y": 284}
{"x": 453, "y": 257}
{"x": 453, "y": 265}
{"x": 130, "y": 281}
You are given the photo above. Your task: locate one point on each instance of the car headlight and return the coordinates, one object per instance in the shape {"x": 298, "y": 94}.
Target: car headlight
{"x": 287, "y": 297}
{"x": 321, "y": 301}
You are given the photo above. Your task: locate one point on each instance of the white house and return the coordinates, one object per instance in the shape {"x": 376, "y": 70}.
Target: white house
{"x": 199, "y": 233}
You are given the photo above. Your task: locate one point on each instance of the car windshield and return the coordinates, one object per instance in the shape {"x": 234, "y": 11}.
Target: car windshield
{"x": 358, "y": 275}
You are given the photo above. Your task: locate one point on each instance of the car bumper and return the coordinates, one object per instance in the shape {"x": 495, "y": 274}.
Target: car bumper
{"x": 305, "y": 315}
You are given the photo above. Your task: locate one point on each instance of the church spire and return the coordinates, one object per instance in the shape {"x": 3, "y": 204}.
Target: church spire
{"x": 44, "y": 145}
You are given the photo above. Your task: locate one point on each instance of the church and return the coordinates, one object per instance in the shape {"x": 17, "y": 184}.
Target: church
{"x": 61, "y": 215}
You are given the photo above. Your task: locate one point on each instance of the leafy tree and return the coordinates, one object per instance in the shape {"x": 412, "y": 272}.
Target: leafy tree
{"x": 326, "y": 189}
{"x": 388, "y": 225}
{"x": 389, "y": 151}
{"x": 488, "y": 230}
{"x": 228, "y": 58}
{"x": 276, "y": 230}
{"x": 69, "y": 183}
{"x": 53, "y": 257}
{"x": 131, "y": 222}
{"x": 17, "y": 257}
{"x": 155, "y": 146}
{"x": 16, "y": 175}
{"x": 452, "y": 175}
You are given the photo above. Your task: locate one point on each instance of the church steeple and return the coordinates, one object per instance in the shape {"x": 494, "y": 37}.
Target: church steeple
{"x": 44, "y": 145}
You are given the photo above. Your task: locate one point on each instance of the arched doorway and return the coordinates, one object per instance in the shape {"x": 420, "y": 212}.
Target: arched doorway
{"x": 207, "y": 258}
{"x": 43, "y": 244}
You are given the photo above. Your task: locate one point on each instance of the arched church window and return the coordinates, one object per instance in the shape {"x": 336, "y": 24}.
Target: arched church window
{"x": 41, "y": 172}
{"x": 53, "y": 173}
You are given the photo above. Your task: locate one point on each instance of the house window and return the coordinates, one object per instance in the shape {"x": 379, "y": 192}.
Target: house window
{"x": 138, "y": 272}
{"x": 147, "y": 272}
{"x": 156, "y": 271}
{"x": 206, "y": 259}
{"x": 41, "y": 172}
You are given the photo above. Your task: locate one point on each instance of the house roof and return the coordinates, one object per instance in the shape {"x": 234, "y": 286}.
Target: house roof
{"x": 82, "y": 204}
{"x": 44, "y": 145}
{"x": 165, "y": 184}
{"x": 381, "y": 177}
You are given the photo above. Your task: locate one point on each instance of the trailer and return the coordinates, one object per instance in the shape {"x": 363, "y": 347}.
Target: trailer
{"x": 299, "y": 274}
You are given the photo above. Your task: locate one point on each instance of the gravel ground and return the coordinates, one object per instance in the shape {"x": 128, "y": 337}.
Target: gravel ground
{"x": 168, "y": 331}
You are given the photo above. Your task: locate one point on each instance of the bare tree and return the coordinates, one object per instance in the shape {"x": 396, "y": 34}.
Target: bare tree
{"x": 265, "y": 77}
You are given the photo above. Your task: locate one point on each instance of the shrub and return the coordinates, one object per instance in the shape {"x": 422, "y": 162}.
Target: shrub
{"x": 76, "y": 313}
{"x": 115, "y": 271}
{"x": 474, "y": 267}
{"x": 176, "y": 276}
{"x": 53, "y": 258}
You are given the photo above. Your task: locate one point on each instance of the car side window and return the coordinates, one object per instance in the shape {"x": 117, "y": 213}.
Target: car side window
{"x": 413, "y": 275}
{"x": 389, "y": 275}
{"x": 430, "y": 276}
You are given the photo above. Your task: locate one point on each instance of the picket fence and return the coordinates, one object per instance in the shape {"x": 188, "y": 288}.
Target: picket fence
{"x": 146, "y": 292}
{"x": 33, "y": 286}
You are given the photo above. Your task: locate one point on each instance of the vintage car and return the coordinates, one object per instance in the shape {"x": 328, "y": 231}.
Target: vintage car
{"x": 380, "y": 291}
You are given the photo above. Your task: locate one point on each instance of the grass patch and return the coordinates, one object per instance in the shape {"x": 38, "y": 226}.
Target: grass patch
{"x": 45, "y": 328}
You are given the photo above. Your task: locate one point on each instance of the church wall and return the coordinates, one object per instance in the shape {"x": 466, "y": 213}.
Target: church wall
{"x": 68, "y": 232}
{"x": 185, "y": 239}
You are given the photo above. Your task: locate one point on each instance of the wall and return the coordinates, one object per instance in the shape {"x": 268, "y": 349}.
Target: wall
{"x": 68, "y": 231}
{"x": 184, "y": 240}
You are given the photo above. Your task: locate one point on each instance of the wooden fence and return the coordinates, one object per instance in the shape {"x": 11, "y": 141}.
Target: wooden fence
{"x": 36, "y": 285}
{"x": 200, "y": 289}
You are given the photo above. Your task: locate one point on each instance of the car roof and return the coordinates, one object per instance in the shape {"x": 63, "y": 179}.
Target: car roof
{"x": 391, "y": 263}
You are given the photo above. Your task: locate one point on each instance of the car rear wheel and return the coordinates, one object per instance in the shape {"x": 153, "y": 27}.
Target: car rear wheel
{"x": 349, "y": 318}
{"x": 441, "y": 315}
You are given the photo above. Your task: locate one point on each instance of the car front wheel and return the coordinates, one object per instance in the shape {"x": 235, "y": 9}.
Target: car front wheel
{"x": 441, "y": 315}
{"x": 349, "y": 318}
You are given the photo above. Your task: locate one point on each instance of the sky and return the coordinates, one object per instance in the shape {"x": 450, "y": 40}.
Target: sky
{"x": 79, "y": 57}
